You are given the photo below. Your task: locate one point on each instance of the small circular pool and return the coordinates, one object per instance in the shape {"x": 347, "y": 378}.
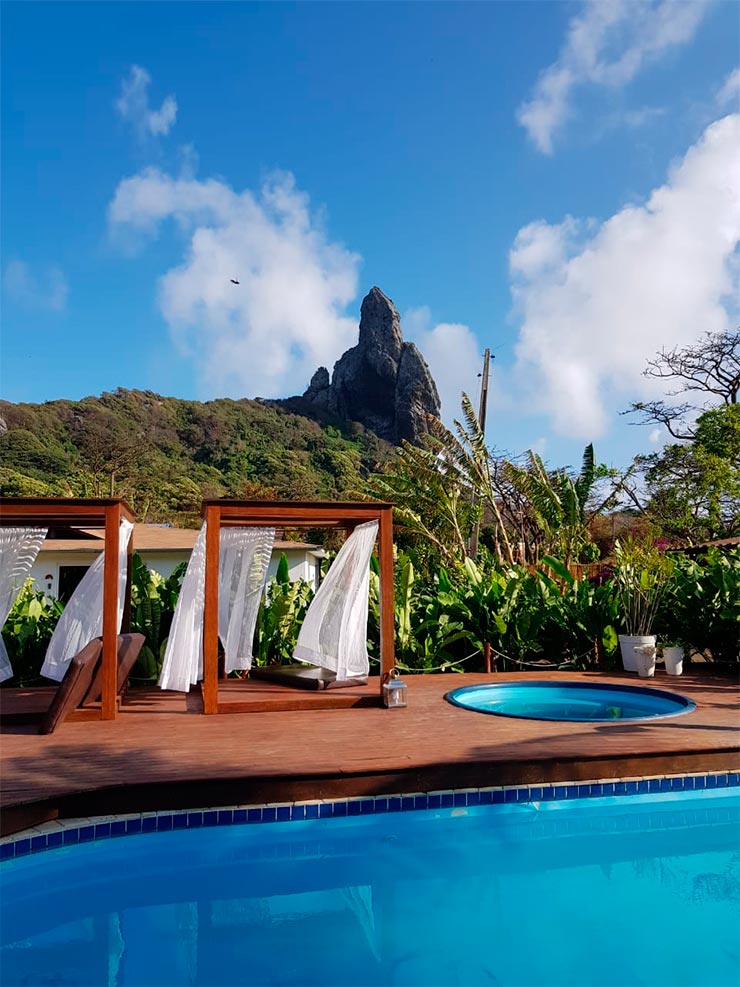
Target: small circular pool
{"x": 575, "y": 701}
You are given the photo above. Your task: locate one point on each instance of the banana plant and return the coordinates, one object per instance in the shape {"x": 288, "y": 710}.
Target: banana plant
{"x": 280, "y": 616}
{"x": 557, "y": 501}
{"x": 153, "y": 602}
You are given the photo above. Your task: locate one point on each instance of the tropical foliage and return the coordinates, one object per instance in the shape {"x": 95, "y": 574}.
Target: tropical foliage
{"x": 27, "y": 633}
{"x": 280, "y": 617}
{"x": 445, "y": 489}
{"x": 701, "y": 606}
{"x": 153, "y": 602}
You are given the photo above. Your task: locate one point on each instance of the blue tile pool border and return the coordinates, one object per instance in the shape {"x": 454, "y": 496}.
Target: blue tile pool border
{"x": 49, "y": 836}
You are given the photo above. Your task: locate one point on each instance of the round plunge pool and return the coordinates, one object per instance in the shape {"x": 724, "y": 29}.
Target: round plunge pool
{"x": 574, "y": 701}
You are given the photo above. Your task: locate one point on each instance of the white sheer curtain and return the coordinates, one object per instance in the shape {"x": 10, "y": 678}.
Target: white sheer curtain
{"x": 18, "y": 550}
{"x": 82, "y": 618}
{"x": 183, "y": 658}
{"x": 244, "y": 555}
{"x": 334, "y": 631}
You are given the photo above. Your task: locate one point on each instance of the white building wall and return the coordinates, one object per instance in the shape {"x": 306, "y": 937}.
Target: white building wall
{"x": 45, "y": 571}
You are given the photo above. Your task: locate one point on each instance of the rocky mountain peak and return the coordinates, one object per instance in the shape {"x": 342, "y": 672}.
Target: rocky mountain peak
{"x": 380, "y": 326}
{"x": 382, "y": 382}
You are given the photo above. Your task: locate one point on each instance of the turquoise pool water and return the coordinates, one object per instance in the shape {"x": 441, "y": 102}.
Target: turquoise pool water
{"x": 573, "y": 701}
{"x": 612, "y": 891}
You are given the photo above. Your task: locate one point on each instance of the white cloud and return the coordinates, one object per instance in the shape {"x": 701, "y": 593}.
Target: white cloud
{"x": 133, "y": 106}
{"x": 43, "y": 289}
{"x": 729, "y": 91}
{"x": 596, "y": 300}
{"x": 634, "y": 119}
{"x": 453, "y": 354}
{"x": 268, "y": 334}
{"x": 655, "y": 436}
{"x": 607, "y": 44}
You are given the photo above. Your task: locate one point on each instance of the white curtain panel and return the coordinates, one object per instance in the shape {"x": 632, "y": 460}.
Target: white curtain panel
{"x": 18, "y": 550}
{"x": 244, "y": 555}
{"x": 183, "y": 657}
{"x": 82, "y": 618}
{"x": 334, "y": 631}
{"x": 243, "y": 561}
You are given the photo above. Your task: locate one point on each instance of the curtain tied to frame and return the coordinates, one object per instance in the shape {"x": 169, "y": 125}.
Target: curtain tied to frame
{"x": 244, "y": 556}
{"x": 334, "y": 631}
{"x": 82, "y": 617}
{"x": 18, "y": 550}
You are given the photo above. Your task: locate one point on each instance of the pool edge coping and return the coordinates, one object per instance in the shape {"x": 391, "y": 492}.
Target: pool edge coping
{"x": 69, "y": 832}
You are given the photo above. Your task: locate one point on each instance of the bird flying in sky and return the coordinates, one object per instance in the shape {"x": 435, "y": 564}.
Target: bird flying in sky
{"x": 233, "y": 281}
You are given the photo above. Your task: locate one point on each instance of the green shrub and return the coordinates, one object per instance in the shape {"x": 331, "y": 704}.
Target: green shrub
{"x": 27, "y": 633}
{"x": 153, "y": 602}
{"x": 701, "y": 607}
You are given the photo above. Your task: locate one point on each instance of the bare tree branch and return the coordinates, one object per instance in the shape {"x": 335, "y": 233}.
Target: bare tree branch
{"x": 710, "y": 367}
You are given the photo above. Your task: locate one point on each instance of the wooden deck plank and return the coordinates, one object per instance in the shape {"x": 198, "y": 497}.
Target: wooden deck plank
{"x": 160, "y": 754}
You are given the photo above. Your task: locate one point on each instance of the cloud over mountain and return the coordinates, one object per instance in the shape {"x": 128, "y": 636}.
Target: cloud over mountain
{"x": 595, "y": 299}
{"x": 266, "y": 335}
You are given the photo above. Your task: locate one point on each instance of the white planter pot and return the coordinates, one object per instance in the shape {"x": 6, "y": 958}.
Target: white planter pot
{"x": 673, "y": 658}
{"x": 645, "y": 660}
{"x": 627, "y": 645}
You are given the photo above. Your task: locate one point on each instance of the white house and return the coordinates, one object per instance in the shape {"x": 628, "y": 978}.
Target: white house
{"x": 62, "y": 562}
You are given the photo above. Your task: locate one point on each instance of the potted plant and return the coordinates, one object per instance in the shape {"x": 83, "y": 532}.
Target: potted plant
{"x": 673, "y": 652}
{"x": 640, "y": 578}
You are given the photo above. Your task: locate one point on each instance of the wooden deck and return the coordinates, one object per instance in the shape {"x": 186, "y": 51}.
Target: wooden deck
{"x": 160, "y": 754}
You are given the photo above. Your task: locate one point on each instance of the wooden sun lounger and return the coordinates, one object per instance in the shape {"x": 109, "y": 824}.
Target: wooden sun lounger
{"x": 77, "y": 693}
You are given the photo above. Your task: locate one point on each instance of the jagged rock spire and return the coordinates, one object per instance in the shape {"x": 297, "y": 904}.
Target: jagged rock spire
{"x": 383, "y": 382}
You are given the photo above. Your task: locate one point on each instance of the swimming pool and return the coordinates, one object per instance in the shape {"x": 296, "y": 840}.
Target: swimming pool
{"x": 611, "y": 891}
{"x": 572, "y": 701}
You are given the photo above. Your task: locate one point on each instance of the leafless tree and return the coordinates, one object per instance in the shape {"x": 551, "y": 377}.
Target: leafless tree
{"x": 711, "y": 368}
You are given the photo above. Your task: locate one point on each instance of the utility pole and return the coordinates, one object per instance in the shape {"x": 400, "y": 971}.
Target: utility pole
{"x": 473, "y": 547}
{"x": 484, "y": 392}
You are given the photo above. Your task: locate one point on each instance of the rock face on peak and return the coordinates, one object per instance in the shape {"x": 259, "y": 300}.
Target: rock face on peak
{"x": 382, "y": 382}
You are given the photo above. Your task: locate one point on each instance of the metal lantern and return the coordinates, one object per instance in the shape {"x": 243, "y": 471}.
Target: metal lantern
{"x": 394, "y": 691}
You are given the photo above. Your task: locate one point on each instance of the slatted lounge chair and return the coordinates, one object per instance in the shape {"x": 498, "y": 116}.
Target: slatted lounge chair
{"x": 129, "y": 649}
{"x": 79, "y": 687}
{"x": 74, "y": 686}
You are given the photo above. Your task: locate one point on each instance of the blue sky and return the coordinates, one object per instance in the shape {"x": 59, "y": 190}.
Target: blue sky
{"x": 558, "y": 181}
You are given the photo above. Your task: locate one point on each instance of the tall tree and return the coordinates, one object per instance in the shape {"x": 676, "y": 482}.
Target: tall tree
{"x": 691, "y": 488}
{"x": 709, "y": 369}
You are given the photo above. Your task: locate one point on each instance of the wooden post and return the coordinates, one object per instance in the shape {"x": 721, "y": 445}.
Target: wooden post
{"x": 110, "y": 611}
{"x": 210, "y": 610}
{"x": 385, "y": 560}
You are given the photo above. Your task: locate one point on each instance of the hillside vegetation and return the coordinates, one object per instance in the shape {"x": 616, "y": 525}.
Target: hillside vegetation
{"x": 164, "y": 455}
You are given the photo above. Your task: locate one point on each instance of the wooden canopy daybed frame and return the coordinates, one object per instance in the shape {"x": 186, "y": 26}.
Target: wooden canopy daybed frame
{"x": 63, "y": 512}
{"x": 290, "y": 514}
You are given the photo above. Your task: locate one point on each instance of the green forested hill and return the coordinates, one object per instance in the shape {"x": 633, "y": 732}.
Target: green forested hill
{"x": 164, "y": 454}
